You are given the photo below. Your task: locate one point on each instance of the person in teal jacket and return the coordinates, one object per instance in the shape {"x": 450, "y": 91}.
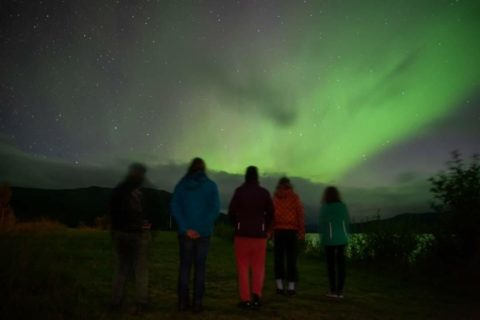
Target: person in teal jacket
{"x": 195, "y": 205}
{"x": 334, "y": 227}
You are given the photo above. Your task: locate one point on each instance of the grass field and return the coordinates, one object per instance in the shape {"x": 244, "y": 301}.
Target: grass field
{"x": 67, "y": 274}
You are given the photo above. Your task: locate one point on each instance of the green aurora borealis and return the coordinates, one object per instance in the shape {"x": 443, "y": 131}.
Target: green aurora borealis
{"x": 357, "y": 88}
{"x": 311, "y": 89}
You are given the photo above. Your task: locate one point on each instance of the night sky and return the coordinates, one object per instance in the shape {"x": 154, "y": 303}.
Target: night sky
{"x": 369, "y": 95}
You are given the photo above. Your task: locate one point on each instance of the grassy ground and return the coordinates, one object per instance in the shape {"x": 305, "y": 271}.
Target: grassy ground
{"x": 67, "y": 275}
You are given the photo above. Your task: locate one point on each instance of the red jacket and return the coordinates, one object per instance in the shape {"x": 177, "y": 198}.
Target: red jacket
{"x": 289, "y": 213}
{"x": 251, "y": 211}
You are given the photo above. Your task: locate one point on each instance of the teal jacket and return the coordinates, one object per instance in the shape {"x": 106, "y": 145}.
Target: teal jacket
{"x": 334, "y": 224}
{"x": 195, "y": 204}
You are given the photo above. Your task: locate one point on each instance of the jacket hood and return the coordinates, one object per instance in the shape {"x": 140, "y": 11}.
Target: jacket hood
{"x": 284, "y": 193}
{"x": 194, "y": 180}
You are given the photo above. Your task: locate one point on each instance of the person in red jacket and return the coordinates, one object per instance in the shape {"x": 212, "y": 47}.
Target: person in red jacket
{"x": 251, "y": 211}
{"x": 288, "y": 226}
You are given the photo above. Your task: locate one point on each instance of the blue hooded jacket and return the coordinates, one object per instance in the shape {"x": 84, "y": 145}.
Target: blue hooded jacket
{"x": 195, "y": 204}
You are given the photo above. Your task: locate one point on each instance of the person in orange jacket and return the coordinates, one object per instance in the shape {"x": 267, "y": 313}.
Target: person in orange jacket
{"x": 288, "y": 226}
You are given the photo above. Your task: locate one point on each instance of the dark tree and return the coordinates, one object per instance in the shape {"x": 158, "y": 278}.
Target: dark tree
{"x": 456, "y": 193}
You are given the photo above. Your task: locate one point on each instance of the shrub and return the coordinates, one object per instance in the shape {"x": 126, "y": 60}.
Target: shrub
{"x": 102, "y": 222}
{"x": 40, "y": 225}
{"x": 403, "y": 249}
{"x": 456, "y": 193}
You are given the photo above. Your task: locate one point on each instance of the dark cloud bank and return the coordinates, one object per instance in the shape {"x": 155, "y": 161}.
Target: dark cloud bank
{"x": 21, "y": 169}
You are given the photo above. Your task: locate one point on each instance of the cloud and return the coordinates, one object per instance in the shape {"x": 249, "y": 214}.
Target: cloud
{"x": 406, "y": 177}
{"x": 22, "y": 169}
{"x": 248, "y": 90}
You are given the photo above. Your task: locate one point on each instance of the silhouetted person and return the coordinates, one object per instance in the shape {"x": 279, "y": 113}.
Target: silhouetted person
{"x": 288, "y": 226}
{"x": 251, "y": 211}
{"x": 195, "y": 206}
{"x": 334, "y": 226}
{"x": 130, "y": 233}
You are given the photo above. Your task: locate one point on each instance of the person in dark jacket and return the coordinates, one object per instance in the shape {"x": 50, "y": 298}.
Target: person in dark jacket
{"x": 334, "y": 225}
{"x": 251, "y": 211}
{"x": 195, "y": 206}
{"x": 130, "y": 234}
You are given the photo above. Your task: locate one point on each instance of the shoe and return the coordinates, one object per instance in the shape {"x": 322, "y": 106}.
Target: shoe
{"x": 256, "y": 303}
{"x": 281, "y": 292}
{"x": 197, "y": 308}
{"x": 245, "y": 305}
{"x": 331, "y": 295}
{"x": 291, "y": 292}
{"x": 340, "y": 295}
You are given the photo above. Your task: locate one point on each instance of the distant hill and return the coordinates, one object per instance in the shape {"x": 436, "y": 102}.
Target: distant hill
{"x": 416, "y": 222}
{"x": 73, "y": 207}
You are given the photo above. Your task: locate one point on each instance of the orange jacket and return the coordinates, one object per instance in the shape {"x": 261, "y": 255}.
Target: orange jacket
{"x": 288, "y": 212}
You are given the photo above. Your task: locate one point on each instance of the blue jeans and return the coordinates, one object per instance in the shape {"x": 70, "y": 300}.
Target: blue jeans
{"x": 193, "y": 252}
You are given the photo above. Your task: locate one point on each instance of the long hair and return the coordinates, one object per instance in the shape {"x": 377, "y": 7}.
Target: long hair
{"x": 331, "y": 195}
{"x": 284, "y": 183}
{"x": 197, "y": 165}
{"x": 251, "y": 175}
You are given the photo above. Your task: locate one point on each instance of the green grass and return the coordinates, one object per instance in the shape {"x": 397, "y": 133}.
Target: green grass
{"x": 66, "y": 274}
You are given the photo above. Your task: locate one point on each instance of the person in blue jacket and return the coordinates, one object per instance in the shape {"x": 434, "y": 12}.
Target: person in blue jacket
{"x": 334, "y": 226}
{"x": 195, "y": 206}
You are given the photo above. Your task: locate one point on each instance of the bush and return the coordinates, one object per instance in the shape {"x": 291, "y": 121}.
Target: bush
{"x": 403, "y": 249}
{"x": 40, "y": 225}
{"x": 102, "y": 222}
{"x": 391, "y": 247}
{"x": 358, "y": 249}
{"x": 456, "y": 194}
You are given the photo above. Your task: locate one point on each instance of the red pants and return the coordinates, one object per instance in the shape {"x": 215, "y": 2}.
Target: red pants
{"x": 250, "y": 253}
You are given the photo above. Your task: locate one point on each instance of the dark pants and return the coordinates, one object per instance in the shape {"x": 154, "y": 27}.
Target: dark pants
{"x": 336, "y": 267}
{"x": 192, "y": 253}
{"x": 131, "y": 255}
{"x": 286, "y": 249}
